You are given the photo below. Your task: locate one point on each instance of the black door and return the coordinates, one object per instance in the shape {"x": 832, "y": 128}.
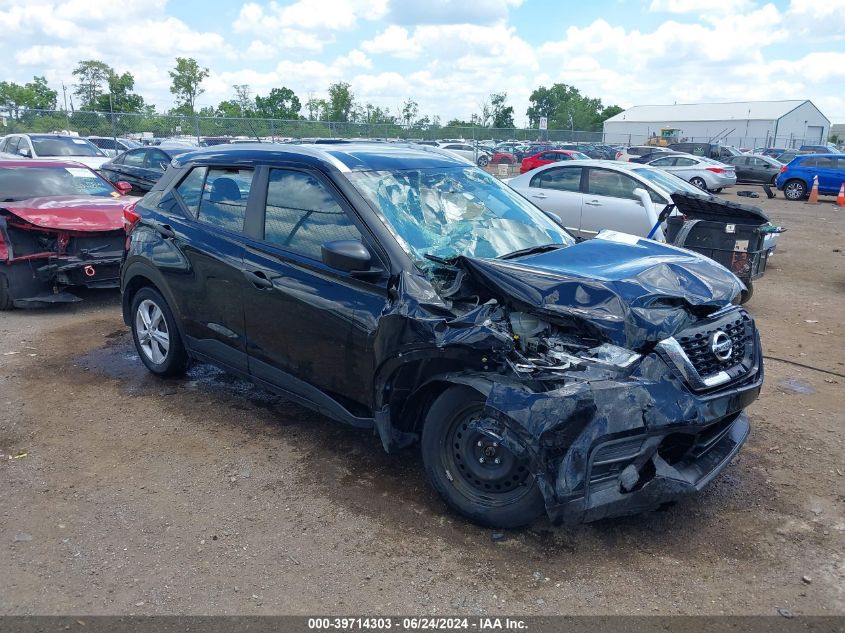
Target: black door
{"x": 130, "y": 168}
{"x": 306, "y": 323}
{"x": 155, "y": 164}
{"x": 206, "y": 276}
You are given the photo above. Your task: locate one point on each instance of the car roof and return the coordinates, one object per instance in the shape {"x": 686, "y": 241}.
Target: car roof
{"x": 357, "y": 156}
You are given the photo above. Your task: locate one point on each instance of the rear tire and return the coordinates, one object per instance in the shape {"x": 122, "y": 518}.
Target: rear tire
{"x": 6, "y": 301}
{"x": 475, "y": 476}
{"x": 698, "y": 182}
{"x": 794, "y": 190}
{"x": 483, "y": 161}
{"x": 156, "y": 335}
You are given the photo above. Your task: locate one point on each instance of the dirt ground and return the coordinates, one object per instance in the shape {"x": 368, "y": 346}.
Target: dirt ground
{"x": 122, "y": 493}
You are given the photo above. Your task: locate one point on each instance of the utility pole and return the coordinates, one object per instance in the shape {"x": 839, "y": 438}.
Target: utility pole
{"x": 67, "y": 116}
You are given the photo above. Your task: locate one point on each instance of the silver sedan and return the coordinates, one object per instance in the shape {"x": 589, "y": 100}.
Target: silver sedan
{"x": 701, "y": 172}
{"x": 591, "y": 195}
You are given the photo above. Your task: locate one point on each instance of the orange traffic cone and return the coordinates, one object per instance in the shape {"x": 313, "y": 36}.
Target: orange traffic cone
{"x": 840, "y": 199}
{"x": 814, "y": 192}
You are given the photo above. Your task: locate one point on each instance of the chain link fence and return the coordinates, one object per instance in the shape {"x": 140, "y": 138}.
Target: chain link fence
{"x": 87, "y": 123}
{"x": 151, "y": 126}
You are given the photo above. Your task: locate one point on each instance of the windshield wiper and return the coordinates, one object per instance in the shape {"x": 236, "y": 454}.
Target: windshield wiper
{"x": 531, "y": 250}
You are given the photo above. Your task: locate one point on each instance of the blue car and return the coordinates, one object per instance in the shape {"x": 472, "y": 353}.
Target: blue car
{"x": 796, "y": 178}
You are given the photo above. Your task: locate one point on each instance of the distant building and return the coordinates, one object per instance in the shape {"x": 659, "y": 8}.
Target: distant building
{"x": 742, "y": 123}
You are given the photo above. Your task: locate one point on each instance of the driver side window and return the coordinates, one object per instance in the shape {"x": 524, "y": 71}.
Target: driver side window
{"x": 603, "y": 182}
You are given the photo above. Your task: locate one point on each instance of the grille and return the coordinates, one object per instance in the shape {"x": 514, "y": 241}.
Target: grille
{"x": 696, "y": 343}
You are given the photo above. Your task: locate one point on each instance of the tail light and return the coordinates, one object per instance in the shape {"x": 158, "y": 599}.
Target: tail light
{"x": 782, "y": 168}
{"x": 130, "y": 216}
{"x": 4, "y": 250}
{"x": 716, "y": 170}
{"x": 618, "y": 155}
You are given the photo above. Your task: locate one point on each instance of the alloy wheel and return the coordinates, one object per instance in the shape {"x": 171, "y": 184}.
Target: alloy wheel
{"x": 151, "y": 329}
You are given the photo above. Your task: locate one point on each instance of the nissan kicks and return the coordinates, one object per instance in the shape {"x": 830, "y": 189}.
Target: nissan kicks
{"x": 397, "y": 288}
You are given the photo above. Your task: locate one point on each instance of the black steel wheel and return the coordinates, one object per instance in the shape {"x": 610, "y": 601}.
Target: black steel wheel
{"x": 474, "y": 474}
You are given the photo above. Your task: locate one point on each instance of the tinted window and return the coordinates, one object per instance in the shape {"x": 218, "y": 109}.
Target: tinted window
{"x": 190, "y": 189}
{"x": 561, "y": 179}
{"x": 603, "y": 182}
{"x": 156, "y": 159}
{"x": 135, "y": 158}
{"x": 663, "y": 162}
{"x": 302, "y": 214}
{"x": 224, "y": 196}
{"x": 3, "y": 142}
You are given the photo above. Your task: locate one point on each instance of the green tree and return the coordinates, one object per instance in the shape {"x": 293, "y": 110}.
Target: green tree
{"x": 186, "y": 78}
{"x": 12, "y": 98}
{"x": 34, "y": 95}
{"x": 341, "y": 101}
{"x": 410, "y": 110}
{"x": 610, "y": 111}
{"x": 39, "y": 96}
{"x": 502, "y": 114}
{"x": 92, "y": 77}
{"x": 120, "y": 97}
{"x": 229, "y": 108}
{"x": 281, "y": 103}
{"x": 565, "y": 107}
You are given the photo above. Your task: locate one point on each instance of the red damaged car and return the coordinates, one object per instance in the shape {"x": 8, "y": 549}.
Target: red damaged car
{"x": 61, "y": 225}
{"x": 549, "y": 156}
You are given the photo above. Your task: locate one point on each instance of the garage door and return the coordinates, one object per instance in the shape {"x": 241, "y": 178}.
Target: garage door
{"x": 814, "y": 135}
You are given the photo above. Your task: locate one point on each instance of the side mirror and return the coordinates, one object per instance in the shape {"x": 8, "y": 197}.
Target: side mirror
{"x": 24, "y": 151}
{"x": 123, "y": 187}
{"x": 346, "y": 255}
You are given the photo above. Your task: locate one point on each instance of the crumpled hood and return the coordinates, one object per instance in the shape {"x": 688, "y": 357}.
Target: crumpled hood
{"x": 627, "y": 290}
{"x": 71, "y": 213}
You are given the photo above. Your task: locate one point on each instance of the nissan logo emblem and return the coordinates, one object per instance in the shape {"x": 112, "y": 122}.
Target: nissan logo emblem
{"x": 721, "y": 345}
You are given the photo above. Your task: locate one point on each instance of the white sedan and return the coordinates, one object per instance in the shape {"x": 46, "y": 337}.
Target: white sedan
{"x": 591, "y": 195}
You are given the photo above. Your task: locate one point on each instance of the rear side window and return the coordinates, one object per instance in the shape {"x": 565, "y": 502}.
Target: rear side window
{"x": 224, "y": 197}
{"x": 561, "y": 179}
{"x": 302, "y": 214}
{"x": 685, "y": 162}
{"x": 190, "y": 189}
{"x": 135, "y": 158}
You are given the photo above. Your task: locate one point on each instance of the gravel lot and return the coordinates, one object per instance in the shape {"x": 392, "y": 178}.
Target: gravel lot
{"x": 122, "y": 493}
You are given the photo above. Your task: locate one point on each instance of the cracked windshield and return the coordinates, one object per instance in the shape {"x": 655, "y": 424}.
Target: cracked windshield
{"x": 446, "y": 213}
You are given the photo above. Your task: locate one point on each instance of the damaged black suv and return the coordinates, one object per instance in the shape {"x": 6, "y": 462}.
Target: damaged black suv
{"x": 400, "y": 289}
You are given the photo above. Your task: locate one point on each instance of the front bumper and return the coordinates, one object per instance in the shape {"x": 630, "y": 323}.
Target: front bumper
{"x": 613, "y": 447}
{"x": 41, "y": 282}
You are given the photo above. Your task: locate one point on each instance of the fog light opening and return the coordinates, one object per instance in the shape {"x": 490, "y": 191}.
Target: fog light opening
{"x": 675, "y": 447}
{"x": 631, "y": 479}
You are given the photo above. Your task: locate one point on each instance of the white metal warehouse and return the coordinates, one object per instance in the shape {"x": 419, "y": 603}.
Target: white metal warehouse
{"x": 741, "y": 123}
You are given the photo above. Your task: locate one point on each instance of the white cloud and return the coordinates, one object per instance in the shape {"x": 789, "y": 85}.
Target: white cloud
{"x": 410, "y": 12}
{"x": 353, "y": 59}
{"x": 308, "y": 15}
{"x": 395, "y": 41}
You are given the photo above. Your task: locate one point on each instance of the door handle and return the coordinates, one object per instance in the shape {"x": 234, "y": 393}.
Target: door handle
{"x": 593, "y": 203}
{"x": 258, "y": 279}
{"x": 539, "y": 196}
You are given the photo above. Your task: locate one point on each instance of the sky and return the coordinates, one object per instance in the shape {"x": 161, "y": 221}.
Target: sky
{"x": 446, "y": 55}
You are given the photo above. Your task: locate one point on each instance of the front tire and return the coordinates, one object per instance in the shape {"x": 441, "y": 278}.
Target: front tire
{"x": 698, "y": 182}
{"x": 473, "y": 474}
{"x": 794, "y": 190}
{"x": 156, "y": 336}
{"x": 6, "y": 301}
